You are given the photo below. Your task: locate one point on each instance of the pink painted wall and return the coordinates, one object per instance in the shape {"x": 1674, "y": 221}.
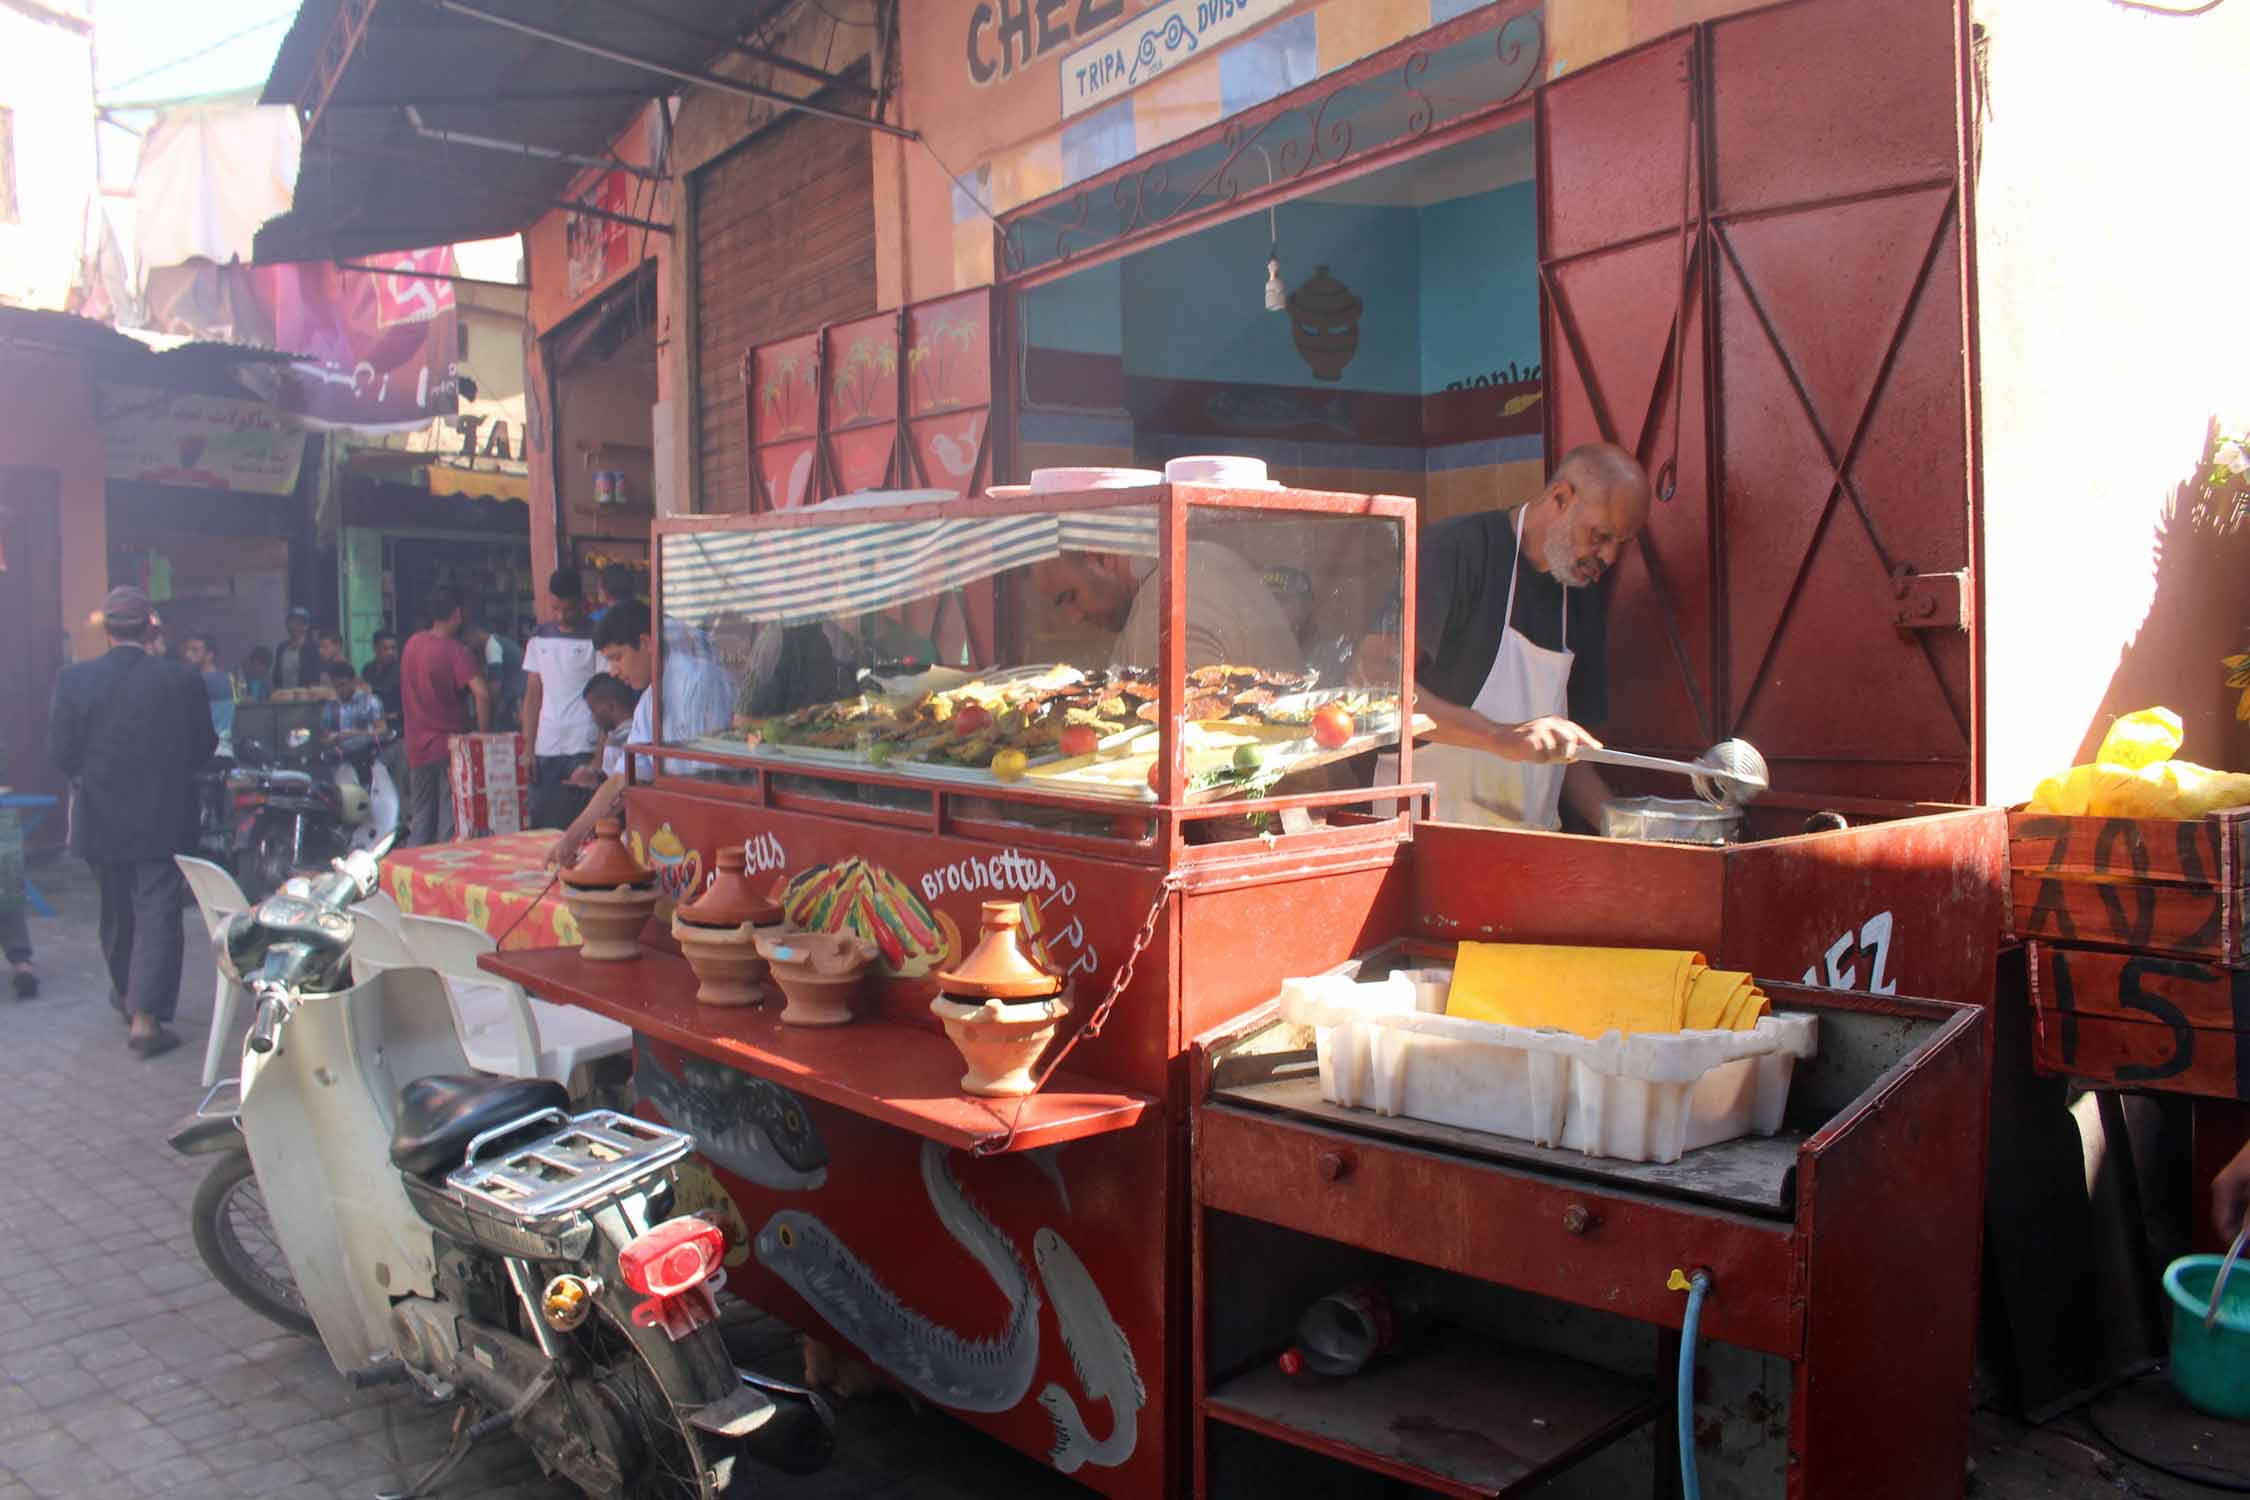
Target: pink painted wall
{"x": 49, "y": 402}
{"x": 1002, "y": 137}
{"x": 552, "y": 302}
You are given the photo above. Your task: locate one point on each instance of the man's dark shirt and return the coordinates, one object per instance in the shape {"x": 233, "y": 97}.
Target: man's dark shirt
{"x": 132, "y": 730}
{"x": 381, "y": 678}
{"x": 1460, "y": 593}
{"x": 298, "y": 666}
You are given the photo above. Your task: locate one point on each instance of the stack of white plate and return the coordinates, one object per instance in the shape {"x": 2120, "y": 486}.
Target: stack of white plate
{"x": 1219, "y": 469}
{"x": 1062, "y": 481}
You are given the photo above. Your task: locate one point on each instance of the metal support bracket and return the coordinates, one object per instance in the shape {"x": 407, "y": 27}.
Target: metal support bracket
{"x": 1929, "y": 601}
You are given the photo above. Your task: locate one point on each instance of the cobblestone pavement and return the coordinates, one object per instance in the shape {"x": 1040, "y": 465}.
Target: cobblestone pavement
{"x": 125, "y": 1371}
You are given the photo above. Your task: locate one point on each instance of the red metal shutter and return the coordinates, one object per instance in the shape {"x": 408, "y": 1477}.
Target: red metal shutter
{"x": 1811, "y": 151}
{"x": 784, "y": 242}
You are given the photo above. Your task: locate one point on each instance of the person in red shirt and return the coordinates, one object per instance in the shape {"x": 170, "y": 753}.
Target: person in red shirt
{"x": 434, "y": 672}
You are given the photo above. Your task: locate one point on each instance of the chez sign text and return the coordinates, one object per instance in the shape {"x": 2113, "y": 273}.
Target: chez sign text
{"x": 1005, "y": 35}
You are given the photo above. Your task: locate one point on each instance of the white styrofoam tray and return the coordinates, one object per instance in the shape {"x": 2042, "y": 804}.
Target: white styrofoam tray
{"x": 1389, "y": 1047}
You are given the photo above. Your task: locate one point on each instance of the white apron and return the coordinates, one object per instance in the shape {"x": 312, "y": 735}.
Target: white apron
{"x": 1526, "y": 682}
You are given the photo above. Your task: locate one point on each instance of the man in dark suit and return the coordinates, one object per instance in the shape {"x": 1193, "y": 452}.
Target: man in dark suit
{"x": 131, "y": 730}
{"x": 296, "y": 661}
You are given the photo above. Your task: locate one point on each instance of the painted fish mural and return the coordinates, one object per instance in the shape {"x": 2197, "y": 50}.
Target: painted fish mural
{"x": 755, "y": 1129}
{"x": 989, "y": 1374}
{"x": 950, "y": 1368}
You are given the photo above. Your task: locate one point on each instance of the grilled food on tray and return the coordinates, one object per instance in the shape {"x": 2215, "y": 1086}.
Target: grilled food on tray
{"x": 1034, "y": 711}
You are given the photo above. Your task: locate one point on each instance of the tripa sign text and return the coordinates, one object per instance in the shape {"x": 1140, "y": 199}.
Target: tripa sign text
{"x": 1159, "y": 38}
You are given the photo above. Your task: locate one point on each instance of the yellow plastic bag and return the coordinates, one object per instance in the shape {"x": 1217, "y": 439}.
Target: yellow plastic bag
{"x": 1591, "y": 991}
{"x": 2141, "y": 739}
{"x": 2134, "y": 776}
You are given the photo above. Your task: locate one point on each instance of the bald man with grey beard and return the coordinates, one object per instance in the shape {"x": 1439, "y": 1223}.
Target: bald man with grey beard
{"x": 1509, "y": 636}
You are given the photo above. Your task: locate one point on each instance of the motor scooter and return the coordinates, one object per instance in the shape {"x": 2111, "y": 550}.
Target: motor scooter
{"x": 472, "y": 1234}
{"x": 306, "y": 803}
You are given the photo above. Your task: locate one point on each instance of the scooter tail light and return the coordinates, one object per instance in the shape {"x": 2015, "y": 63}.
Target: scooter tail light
{"x": 674, "y": 1257}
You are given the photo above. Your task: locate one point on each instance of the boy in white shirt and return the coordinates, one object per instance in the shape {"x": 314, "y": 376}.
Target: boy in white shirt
{"x": 558, "y": 661}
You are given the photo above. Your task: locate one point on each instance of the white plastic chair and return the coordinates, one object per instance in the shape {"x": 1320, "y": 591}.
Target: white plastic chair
{"x": 382, "y": 908}
{"x": 504, "y": 1030}
{"x": 376, "y": 946}
{"x": 218, "y": 897}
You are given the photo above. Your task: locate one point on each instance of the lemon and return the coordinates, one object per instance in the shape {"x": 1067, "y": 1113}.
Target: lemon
{"x": 1009, "y": 765}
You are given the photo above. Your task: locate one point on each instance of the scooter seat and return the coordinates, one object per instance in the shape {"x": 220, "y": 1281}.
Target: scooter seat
{"x": 438, "y": 1116}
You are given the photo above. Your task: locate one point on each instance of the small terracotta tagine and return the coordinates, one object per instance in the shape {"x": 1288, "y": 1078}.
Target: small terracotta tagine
{"x": 820, "y": 973}
{"x": 611, "y": 894}
{"x": 718, "y": 934}
{"x": 999, "y": 1007}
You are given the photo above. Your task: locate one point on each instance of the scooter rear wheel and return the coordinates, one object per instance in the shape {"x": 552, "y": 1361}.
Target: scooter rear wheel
{"x": 267, "y": 863}
{"x": 234, "y": 1235}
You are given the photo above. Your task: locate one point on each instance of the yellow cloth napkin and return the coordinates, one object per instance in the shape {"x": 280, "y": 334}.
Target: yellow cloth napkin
{"x": 1590, "y": 991}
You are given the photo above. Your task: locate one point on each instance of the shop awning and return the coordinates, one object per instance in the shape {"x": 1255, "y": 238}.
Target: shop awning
{"x": 798, "y": 574}
{"x": 486, "y": 484}
{"x": 446, "y": 121}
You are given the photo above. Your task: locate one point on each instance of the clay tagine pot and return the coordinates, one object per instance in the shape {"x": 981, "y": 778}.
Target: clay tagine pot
{"x": 1324, "y": 320}
{"x": 718, "y": 933}
{"x": 611, "y": 894}
{"x": 819, "y": 972}
{"x": 605, "y": 863}
{"x": 730, "y": 900}
{"x": 999, "y": 1007}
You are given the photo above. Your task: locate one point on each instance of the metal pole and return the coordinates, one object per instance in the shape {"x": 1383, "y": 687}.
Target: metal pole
{"x": 743, "y": 49}
{"x": 353, "y": 265}
{"x": 684, "y": 75}
{"x": 522, "y": 148}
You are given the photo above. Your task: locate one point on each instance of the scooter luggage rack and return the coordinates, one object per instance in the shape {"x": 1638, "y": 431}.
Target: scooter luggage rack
{"x": 593, "y": 1158}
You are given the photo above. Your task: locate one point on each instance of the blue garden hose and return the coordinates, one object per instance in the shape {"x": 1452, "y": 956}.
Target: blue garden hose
{"x": 1698, "y": 1287}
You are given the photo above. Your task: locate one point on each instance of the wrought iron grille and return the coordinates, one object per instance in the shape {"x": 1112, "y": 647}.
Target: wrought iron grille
{"x": 1451, "y": 75}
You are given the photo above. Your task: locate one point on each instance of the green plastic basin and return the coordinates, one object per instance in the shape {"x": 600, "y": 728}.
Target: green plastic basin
{"x": 2211, "y": 1368}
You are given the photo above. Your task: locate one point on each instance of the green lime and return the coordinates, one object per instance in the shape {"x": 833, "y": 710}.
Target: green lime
{"x": 1249, "y": 757}
{"x": 879, "y": 753}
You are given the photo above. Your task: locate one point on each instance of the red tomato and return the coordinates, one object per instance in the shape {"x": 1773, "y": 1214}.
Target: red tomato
{"x": 1333, "y": 726}
{"x": 1079, "y": 739}
{"x": 1156, "y": 777}
{"x": 970, "y": 718}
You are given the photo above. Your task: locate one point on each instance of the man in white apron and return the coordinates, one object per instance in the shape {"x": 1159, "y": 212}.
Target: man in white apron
{"x": 1508, "y": 644}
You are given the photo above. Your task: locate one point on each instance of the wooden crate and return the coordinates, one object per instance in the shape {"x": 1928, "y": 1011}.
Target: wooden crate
{"x": 2141, "y": 1020}
{"x": 2175, "y": 887}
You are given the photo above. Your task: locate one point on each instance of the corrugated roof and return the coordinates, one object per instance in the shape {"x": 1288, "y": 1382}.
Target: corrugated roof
{"x": 151, "y": 358}
{"x": 370, "y": 182}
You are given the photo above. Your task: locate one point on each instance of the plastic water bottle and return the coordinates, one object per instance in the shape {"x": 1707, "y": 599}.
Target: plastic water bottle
{"x": 1341, "y": 1332}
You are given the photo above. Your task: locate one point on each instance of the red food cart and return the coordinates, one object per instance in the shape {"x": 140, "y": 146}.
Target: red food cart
{"x": 1092, "y": 1272}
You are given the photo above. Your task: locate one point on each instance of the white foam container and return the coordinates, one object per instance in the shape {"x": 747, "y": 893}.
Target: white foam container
{"x": 1220, "y": 469}
{"x": 1645, "y": 1097}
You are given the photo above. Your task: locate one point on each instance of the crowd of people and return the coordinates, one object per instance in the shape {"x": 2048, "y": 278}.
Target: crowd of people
{"x": 133, "y": 728}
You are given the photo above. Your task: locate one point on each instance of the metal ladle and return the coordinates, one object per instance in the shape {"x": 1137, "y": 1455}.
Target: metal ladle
{"x": 1731, "y": 773}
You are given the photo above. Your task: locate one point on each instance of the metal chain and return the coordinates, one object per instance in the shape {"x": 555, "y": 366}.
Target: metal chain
{"x": 995, "y": 1145}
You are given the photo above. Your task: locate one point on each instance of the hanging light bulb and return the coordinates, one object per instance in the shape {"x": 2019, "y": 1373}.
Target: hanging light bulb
{"x": 1277, "y": 296}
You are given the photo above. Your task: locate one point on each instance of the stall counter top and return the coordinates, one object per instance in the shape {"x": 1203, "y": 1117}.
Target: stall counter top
{"x": 900, "y": 1075}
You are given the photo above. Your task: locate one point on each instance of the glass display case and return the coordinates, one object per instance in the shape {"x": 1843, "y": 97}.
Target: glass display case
{"x": 1168, "y": 648}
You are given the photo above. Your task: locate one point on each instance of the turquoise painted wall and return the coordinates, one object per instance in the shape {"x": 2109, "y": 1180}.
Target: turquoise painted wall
{"x": 1194, "y": 308}
{"x": 1450, "y": 292}
{"x": 1479, "y": 284}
